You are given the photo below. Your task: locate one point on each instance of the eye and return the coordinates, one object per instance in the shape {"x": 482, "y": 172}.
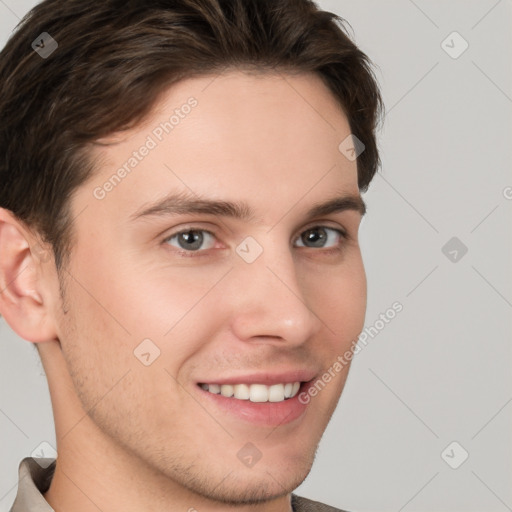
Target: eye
{"x": 196, "y": 240}
{"x": 321, "y": 237}
{"x": 192, "y": 239}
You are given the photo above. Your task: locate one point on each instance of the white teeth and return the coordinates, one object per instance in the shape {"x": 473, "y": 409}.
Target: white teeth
{"x": 241, "y": 391}
{"x": 276, "y": 393}
{"x": 255, "y": 392}
{"x": 214, "y": 388}
{"x": 258, "y": 393}
{"x": 226, "y": 390}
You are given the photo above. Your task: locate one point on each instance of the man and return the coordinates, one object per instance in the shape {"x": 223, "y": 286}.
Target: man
{"x": 179, "y": 216}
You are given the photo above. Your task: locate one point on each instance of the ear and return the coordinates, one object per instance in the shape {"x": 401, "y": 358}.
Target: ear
{"x": 25, "y": 297}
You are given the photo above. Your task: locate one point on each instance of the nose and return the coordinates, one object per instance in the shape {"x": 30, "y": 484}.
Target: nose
{"x": 271, "y": 301}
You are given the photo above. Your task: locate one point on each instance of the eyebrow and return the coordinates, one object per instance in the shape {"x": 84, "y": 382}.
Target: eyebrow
{"x": 180, "y": 204}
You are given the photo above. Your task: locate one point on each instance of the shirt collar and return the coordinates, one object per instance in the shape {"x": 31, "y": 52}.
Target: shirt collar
{"x": 34, "y": 480}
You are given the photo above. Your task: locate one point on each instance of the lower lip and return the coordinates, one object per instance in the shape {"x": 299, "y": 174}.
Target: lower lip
{"x": 270, "y": 414}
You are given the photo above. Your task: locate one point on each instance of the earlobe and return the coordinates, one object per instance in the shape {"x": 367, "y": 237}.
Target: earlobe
{"x": 22, "y": 294}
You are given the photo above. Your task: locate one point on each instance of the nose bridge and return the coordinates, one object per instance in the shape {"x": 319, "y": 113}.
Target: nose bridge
{"x": 271, "y": 301}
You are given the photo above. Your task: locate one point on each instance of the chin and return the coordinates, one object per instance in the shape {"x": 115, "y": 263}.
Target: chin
{"x": 236, "y": 485}
{"x": 237, "y": 491}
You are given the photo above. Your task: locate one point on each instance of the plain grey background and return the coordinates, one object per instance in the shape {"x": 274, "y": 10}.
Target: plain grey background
{"x": 434, "y": 384}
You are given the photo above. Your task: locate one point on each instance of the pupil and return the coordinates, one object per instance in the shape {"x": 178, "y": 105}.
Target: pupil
{"x": 193, "y": 239}
{"x": 316, "y": 236}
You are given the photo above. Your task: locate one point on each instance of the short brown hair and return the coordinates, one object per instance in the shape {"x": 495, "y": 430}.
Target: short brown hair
{"x": 114, "y": 59}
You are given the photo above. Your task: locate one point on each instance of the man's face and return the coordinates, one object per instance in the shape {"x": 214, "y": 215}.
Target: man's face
{"x": 273, "y": 297}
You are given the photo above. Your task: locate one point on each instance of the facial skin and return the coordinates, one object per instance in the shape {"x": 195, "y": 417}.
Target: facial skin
{"x": 133, "y": 437}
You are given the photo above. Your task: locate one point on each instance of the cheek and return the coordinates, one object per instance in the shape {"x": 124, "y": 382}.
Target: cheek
{"x": 338, "y": 296}
{"x": 111, "y": 375}
{"x": 134, "y": 298}
{"x": 176, "y": 308}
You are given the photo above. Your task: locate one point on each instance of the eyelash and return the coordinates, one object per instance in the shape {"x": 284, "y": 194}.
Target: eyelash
{"x": 203, "y": 252}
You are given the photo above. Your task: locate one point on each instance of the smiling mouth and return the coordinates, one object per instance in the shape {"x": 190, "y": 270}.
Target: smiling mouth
{"x": 255, "y": 392}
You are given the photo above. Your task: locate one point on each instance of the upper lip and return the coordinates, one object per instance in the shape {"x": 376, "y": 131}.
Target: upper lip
{"x": 267, "y": 378}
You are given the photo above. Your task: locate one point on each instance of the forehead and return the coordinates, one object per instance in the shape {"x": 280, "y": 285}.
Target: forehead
{"x": 229, "y": 135}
